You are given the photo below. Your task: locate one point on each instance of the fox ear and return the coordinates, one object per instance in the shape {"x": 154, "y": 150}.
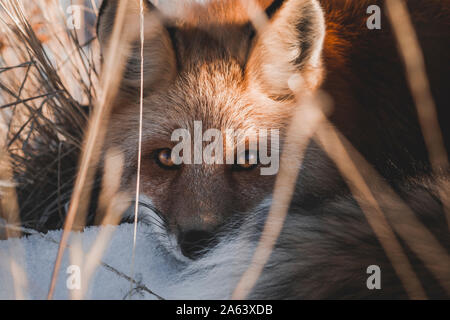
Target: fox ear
{"x": 290, "y": 43}
{"x": 159, "y": 55}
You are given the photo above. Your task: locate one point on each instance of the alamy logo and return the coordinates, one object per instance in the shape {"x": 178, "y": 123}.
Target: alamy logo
{"x": 226, "y": 148}
{"x": 374, "y": 280}
{"x": 74, "y": 279}
{"x": 374, "y": 21}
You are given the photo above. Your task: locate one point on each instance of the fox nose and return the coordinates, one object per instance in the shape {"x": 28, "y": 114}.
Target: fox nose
{"x": 195, "y": 243}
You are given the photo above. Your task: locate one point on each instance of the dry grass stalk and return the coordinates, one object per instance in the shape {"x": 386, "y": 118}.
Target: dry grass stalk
{"x": 9, "y": 213}
{"x": 328, "y": 138}
{"x": 113, "y": 203}
{"x": 368, "y": 202}
{"x": 115, "y": 60}
{"x": 412, "y": 55}
{"x": 297, "y": 139}
{"x": 379, "y": 198}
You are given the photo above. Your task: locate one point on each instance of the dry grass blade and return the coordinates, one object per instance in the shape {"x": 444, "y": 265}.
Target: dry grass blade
{"x": 307, "y": 113}
{"x": 328, "y": 137}
{"x": 9, "y": 209}
{"x": 9, "y": 213}
{"x": 114, "y": 64}
{"x": 381, "y": 197}
{"x": 297, "y": 139}
{"x": 412, "y": 55}
{"x": 369, "y": 201}
{"x": 113, "y": 203}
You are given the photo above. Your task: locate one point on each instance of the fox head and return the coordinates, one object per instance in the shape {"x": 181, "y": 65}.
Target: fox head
{"x": 222, "y": 65}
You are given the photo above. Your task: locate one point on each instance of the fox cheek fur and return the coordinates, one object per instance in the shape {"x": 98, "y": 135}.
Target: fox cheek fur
{"x": 207, "y": 63}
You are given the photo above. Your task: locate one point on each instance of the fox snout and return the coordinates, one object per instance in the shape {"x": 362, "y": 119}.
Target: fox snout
{"x": 195, "y": 220}
{"x": 194, "y": 243}
{"x": 201, "y": 199}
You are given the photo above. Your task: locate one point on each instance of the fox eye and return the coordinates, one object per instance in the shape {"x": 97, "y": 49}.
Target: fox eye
{"x": 247, "y": 160}
{"x": 164, "y": 159}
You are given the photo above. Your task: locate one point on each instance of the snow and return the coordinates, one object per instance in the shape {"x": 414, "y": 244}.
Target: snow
{"x": 158, "y": 271}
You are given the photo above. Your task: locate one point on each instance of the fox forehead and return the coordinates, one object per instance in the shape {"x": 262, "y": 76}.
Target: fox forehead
{"x": 211, "y": 92}
{"x": 210, "y": 87}
{"x": 214, "y": 93}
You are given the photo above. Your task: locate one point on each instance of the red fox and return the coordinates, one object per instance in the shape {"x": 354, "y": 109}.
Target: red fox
{"x": 211, "y": 65}
{"x": 208, "y": 63}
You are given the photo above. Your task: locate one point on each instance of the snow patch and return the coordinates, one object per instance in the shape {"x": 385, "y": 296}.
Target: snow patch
{"x": 212, "y": 277}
